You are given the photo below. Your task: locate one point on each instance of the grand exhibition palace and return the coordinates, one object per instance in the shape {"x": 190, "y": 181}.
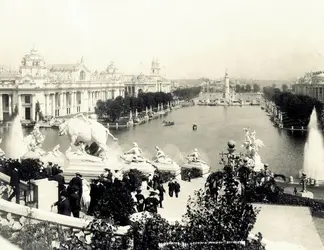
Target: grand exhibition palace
{"x": 64, "y": 89}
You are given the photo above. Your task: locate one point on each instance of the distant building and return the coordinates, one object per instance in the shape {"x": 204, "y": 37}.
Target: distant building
{"x": 65, "y": 89}
{"x": 311, "y": 84}
{"x": 153, "y": 82}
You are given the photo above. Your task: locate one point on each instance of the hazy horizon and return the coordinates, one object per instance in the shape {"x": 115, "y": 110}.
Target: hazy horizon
{"x": 268, "y": 40}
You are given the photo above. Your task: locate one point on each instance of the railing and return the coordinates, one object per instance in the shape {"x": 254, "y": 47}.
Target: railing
{"x": 16, "y": 216}
{"x": 5, "y": 244}
{"x": 28, "y": 191}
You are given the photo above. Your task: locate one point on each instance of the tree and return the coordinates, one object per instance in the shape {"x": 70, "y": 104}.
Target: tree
{"x": 248, "y": 88}
{"x": 284, "y": 87}
{"x": 256, "y": 87}
{"x": 187, "y": 93}
{"x": 101, "y": 109}
{"x": 238, "y": 88}
{"x": 298, "y": 108}
{"x": 225, "y": 218}
{"x": 116, "y": 204}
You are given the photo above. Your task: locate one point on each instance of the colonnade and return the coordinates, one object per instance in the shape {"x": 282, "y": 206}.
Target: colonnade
{"x": 53, "y": 103}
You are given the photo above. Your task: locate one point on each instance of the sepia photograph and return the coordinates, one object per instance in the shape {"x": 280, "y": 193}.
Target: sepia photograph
{"x": 161, "y": 125}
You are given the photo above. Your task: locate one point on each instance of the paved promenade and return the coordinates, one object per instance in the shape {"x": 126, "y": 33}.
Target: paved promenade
{"x": 276, "y": 223}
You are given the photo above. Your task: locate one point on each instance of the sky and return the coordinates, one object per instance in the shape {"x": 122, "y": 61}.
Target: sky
{"x": 268, "y": 40}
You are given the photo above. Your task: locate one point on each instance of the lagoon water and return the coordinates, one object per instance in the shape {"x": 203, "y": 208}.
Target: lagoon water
{"x": 283, "y": 151}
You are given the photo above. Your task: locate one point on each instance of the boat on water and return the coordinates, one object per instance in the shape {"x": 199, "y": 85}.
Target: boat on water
{"x": 168, "y": 123}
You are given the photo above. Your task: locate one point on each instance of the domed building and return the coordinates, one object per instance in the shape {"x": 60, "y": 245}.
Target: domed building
{"x": 311, "y": 84}
{"x": 56, "y": 89}
{"x": 153, "y": 82}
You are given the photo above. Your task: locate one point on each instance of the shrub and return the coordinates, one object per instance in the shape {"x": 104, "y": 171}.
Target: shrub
{"x": 102, "y": 237}
{"x": 149, "y": 232}
{"x": 194, "y": 173}
{"x": 139, "y": 176}
{"x": 165, "y": 176}
{"x": 293, "y": 200}
{"x": 116, "y": 204}
{"x": 33, "y": 236}
{"x": 227, "y": 218}
{"x": 30, "y": 170}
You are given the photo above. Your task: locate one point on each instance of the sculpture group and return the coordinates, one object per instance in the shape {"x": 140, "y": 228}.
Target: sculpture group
{"x": 252, "y": 146}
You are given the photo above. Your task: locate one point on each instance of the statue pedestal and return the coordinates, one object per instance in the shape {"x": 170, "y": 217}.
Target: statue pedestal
{"x": 89, "y": 169}
{"x": 47, "y": 193}
{"x": 306, "y": 194}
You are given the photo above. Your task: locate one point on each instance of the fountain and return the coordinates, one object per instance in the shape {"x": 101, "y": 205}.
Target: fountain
{"x": 17, "y": 147}
{"x": 314, "y": 151}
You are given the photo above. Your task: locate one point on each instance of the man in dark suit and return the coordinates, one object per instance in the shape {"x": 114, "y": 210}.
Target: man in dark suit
{"x": 14, "y": 183}
{"x": 161, "y": 190}
{"x": 75, "y": 202}
{"x": 176, "y": 188}
{"x": 171, "y": 188}
{"x": 63, "y": 204}
{"x": 96, "y": 190}
{"x": 77, "y": 181}
{"x": 59, "y": 178}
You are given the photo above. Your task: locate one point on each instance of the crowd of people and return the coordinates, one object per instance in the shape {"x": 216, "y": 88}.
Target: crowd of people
{"x": 70, "y": 195}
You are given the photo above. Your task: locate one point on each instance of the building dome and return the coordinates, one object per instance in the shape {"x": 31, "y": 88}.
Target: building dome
{"x": 141, "y": 77}
{"x": 33, "y": 59}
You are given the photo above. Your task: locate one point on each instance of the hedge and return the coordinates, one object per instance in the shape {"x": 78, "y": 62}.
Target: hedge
{"x": 165, "y": 176}
{"x": 194, "y": 173}
{"x": 293, "y": 200}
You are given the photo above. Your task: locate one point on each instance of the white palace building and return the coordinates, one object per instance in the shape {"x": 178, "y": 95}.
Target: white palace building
{"x": 65, "y": 89}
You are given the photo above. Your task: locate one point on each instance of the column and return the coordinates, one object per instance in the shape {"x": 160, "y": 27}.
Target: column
{"x": 10, "y": 104}
{"x": 61, "y": 104}
{"x": 19, "y": 105}
{"x": 72, "y": 103}
{"x": 1, "y": 108}
{"x": 90, "y": 101}
{"x": 53, "y": 104}
{"x": 46, "y": 104}
{"x": 64, "y": 104}
{"x": 75, "y": 102}
{"x": 33, "y": 108}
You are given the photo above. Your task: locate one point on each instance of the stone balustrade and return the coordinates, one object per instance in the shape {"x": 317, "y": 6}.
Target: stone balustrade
{"x": 5, "y": 244}
{"x": 29, "y": 191}
{"x": 16, "y": 216}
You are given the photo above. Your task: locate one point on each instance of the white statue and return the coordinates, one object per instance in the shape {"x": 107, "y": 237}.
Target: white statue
{"x": 136, "y": 153}
{"x": 194, "y": 156}
{"x": 159, "y": 153}
{"x": 56, "y": 151}
{"x": 252, "y": 146}
{"x": 160, "y": 156}
{"x": 81, "y": 129}
{"x": 37, "y": 135}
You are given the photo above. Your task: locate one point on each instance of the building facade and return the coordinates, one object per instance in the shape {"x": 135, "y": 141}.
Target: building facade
{"x": 311, "y": 84}
{"x": 65, "y": 89}
{"x": 153, "y": 82}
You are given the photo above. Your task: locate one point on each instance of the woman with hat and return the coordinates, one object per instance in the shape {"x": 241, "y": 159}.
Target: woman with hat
{"x": 152, "y": 202}
{"x": 140, "y": 200}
